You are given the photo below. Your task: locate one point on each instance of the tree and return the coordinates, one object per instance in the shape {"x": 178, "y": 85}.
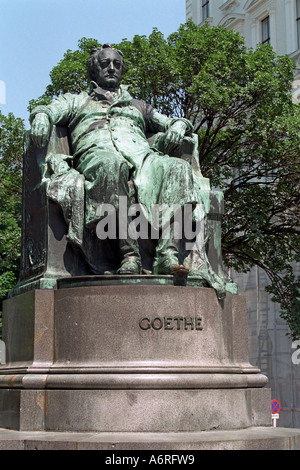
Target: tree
{"x": 240, "y": 104}
{"x": 11, "y": 143}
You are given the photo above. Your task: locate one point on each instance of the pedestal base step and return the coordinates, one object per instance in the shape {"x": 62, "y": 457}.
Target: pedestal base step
{"x": 256, "y": 438}
{"x": 163, "y": 411}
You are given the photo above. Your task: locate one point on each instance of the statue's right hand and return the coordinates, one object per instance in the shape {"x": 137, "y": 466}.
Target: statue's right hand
{"x": 40, "y": 129}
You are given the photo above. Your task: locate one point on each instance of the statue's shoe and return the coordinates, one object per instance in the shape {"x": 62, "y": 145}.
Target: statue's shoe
{"x": 165, "y": 265}
{"x": 130, "y": 266}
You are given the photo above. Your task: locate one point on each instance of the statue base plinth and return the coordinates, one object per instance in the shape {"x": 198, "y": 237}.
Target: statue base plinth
{"x": 129, "y": 358}
{"x": 158, "y": 444}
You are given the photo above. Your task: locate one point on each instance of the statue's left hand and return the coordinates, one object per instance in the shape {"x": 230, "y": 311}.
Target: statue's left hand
{"x": 174, "y": 136}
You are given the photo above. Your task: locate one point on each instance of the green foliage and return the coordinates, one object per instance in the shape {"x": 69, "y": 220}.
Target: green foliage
{"x": 240, "y": 105}
{"x": 11, "y": 143}
{"x": 249, "y": 138}
{"x": 152, "y": 71}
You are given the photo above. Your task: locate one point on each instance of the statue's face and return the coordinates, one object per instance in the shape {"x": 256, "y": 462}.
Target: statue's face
{"x": 109, "y": 70}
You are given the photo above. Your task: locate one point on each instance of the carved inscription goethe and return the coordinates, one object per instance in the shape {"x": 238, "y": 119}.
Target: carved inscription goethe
{"x": 171, "y": 323}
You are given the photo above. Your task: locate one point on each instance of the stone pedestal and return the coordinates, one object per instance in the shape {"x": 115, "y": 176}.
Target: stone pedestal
{"x": 129, "y": 357}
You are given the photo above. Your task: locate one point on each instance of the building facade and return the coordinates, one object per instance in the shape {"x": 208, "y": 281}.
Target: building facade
{"x": 260, "y": 21}
{"x": 276, "y": 22}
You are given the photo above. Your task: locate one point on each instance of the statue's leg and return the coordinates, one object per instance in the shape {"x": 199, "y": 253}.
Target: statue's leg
{"x": 106, "y": 181}
{"x": 167, "y": 184}
{"x": 129, "y": 247}
{"x": 166, "y": 255}
{"x": 131, "y": 261}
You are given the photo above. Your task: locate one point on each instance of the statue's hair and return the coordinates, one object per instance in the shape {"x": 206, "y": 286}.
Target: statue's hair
{"x": 93, "y": 60}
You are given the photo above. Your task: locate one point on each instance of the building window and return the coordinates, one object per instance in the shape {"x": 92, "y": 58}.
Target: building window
{"x": 265, "y": 30}
{"x": 205, "y": 9}
{"x": 298, "y": 21}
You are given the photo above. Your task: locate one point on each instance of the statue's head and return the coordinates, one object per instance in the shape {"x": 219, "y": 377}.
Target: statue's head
{"x": 106, "y": 66}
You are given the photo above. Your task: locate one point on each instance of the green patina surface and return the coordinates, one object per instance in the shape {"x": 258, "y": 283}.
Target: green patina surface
{"x": 111, "y": 157}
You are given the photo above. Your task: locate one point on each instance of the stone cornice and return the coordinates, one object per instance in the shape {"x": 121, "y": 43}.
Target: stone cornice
{"x": 252, "y": 4}
{"x": 230, "y": 3}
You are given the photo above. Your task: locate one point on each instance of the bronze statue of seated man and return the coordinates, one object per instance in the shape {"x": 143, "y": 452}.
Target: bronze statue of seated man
{"x": 112, "y": 158}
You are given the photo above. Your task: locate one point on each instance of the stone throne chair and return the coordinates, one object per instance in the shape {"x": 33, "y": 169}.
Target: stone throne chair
{"x": 46, "y": 254}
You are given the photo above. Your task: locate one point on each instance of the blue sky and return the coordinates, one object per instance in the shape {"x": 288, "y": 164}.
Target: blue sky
{"x": 34, "y": 34}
